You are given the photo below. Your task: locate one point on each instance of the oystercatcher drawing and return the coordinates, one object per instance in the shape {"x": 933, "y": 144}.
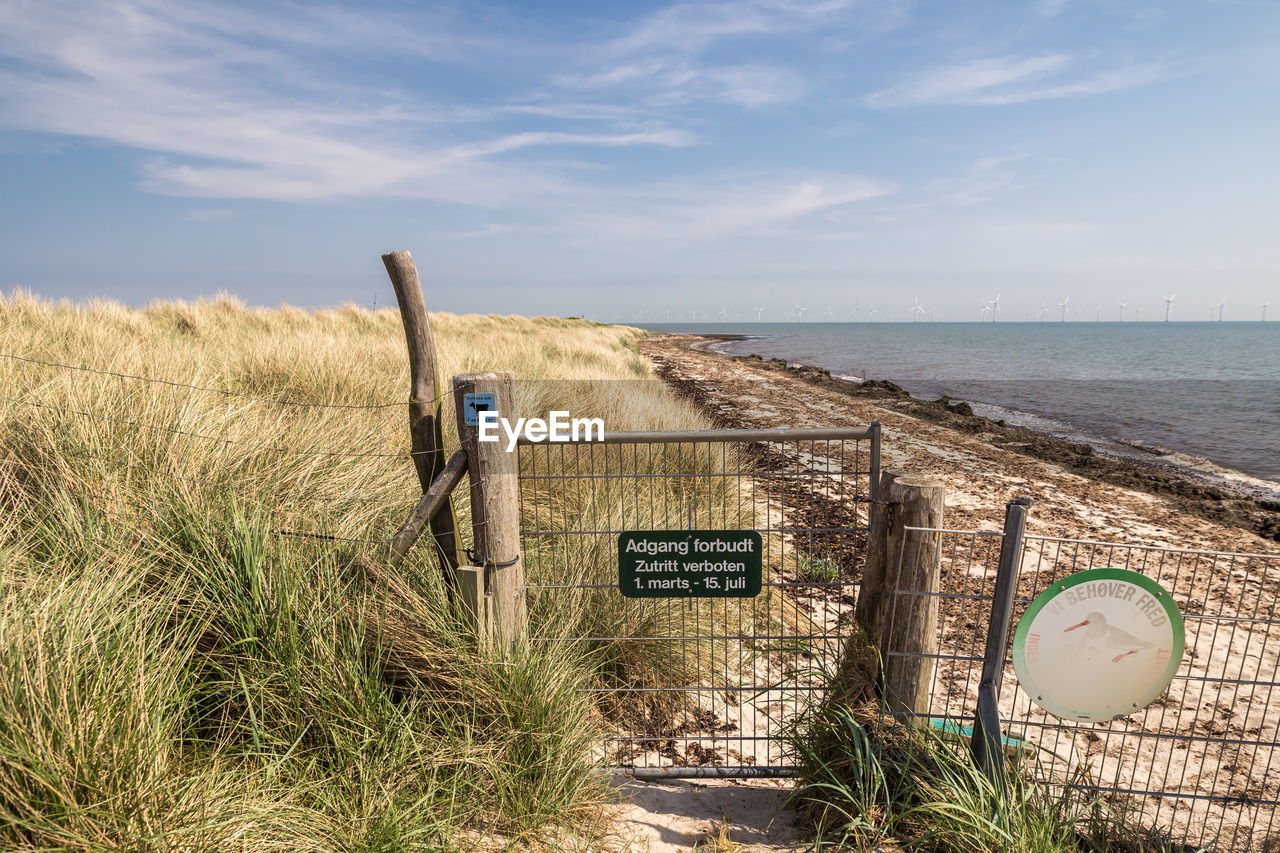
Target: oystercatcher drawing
{"x": 1097, "y": 631}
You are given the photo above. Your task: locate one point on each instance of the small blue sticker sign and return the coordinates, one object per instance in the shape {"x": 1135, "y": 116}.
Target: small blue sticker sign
{"x": 474, "y": 404}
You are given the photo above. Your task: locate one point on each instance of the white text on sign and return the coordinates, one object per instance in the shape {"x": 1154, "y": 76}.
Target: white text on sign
{"x": 560, "y": 428}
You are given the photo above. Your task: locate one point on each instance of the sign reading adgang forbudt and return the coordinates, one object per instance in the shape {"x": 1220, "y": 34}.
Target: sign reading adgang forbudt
{"x": 690, "y": 563}
{"x": 1098, "y": 644}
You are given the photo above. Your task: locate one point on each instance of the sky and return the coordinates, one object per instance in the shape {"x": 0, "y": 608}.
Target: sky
{"x": 642, "y": 160}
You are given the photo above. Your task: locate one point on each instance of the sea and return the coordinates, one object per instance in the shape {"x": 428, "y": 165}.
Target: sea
{"x": 1210, "y": 391}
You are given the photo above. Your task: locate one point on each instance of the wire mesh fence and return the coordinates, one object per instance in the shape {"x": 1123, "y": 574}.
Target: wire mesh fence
{"x": 129, "y": 443}
{"x": 1201, "y": 761}
{"x": 700, "y": 686}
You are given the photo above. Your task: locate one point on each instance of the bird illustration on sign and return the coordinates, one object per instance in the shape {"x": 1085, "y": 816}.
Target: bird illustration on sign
{"x": 1098, "y": 633}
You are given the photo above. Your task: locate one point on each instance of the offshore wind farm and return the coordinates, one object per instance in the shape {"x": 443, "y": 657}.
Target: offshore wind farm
{"x": 989, "y": 311}
{"x": 1205, "y": 389}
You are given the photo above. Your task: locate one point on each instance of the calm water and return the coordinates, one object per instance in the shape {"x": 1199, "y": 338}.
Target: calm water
{"x": 1208, "y": 389}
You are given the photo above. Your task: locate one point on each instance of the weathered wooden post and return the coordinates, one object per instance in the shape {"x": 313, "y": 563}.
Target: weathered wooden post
{"x": 898, "y": 604}
{"x": 869, "y": 610}
{"x": 495, "y": 505}
{"x": 425, "y": 406}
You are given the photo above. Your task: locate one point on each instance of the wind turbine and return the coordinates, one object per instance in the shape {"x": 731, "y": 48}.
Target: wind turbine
{"x": 1264, "y": 310}
{"x": 917, "y": 309}
{"x": 1220, "y": 304}
{"x": 982, "y": 315}
{"x": 828, "y": 315}
{"x": 1137, "y": 314}
{"x": 800, "y": 312}
{"x": 995, "y": 308}
{"x": 1063, "y": 306}
{"x": 871, "y": 312}
{"x": 724, "y": 313}
{"x": 759, "y": 313}
{"x": 1168, "y": 303}
{"x": 639, "y": 316}
{"x": 1122, "y": 307}
{"x": 694, "y": 312}
{"x": 855, "y": 310}
{"x": 1097, "y": 315}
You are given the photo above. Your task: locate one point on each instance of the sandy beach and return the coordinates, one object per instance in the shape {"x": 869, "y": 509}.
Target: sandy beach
{"x": 1077, "y": 495}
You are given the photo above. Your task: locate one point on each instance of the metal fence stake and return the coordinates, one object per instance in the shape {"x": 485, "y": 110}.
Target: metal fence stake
{"x": 986, "y": 744}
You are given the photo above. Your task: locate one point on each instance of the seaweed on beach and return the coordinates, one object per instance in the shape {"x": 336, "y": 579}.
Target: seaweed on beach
{"x": 1257, "y": 515}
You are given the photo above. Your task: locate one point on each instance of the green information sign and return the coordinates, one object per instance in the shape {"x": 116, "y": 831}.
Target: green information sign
{"x": 689, "y": 563}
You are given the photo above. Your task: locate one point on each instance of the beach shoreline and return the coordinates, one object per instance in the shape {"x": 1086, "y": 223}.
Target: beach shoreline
{"x": 1141, "y": 450}
{"x": 1186, "y": 484}
{"x": 1197, "y": 469}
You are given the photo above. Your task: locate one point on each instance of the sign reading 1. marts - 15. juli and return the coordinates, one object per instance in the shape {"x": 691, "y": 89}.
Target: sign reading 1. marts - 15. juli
{"x": 689, "y": 563}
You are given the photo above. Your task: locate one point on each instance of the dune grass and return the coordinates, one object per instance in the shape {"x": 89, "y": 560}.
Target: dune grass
{"x": 869, "y": 783}
{"x": 176, "y": 675}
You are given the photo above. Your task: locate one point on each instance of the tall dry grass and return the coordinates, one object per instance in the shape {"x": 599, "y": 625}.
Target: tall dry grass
{"x": 175, "y": 676}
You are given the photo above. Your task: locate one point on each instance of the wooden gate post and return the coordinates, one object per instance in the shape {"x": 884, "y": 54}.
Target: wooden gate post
{"x": 495, "y": 505}
{"x": 897, "y": 604}
{"x": 425, "y": 407}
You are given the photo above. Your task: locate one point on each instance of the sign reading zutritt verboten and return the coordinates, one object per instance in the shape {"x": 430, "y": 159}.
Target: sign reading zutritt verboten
{"x": 689, "y": 563}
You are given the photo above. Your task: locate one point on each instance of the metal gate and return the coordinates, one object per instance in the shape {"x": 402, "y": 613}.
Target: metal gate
{"x": 1200, "y": 763}
{"x": 700, "y": 686}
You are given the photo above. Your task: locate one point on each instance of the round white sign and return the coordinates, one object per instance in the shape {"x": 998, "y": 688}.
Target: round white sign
{"x": 1098, "y": 644}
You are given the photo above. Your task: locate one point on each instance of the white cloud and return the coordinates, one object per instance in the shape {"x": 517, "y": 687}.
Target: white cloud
{"x": 658, "y": 82}
{"x": 690, "y": 28}
{"x": 1010, "y": 80}
{"x": 985, "y": 179}
{"x": 678, "y": 217}
{"x": 662, "y": 59}
{"x": 235, "y": 103}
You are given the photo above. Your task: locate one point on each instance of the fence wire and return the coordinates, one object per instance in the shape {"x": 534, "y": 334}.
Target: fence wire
{"x": 1201, "y": 762}
{"x": 699, "y": 686}
{"x": 125, "y": 480}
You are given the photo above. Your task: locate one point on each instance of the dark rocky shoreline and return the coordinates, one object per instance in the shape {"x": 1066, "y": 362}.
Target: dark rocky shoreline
{"x": 1188, "y": 490}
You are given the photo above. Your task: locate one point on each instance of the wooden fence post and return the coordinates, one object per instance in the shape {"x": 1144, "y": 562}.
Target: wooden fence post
{"x": 495, "y": 505}
{"x": 897, "y": 604}
{"x": 869, "y": 610}
{"x": 425, "y": 402}
{"x": 475, "y": 602}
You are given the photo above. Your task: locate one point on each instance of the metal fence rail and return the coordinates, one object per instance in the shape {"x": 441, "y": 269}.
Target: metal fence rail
{"x": 700, "y": 687}
{"x": 1203, "y": 761}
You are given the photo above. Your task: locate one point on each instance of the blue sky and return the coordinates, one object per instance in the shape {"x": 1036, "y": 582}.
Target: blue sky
{"x": 618, "y": 158}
